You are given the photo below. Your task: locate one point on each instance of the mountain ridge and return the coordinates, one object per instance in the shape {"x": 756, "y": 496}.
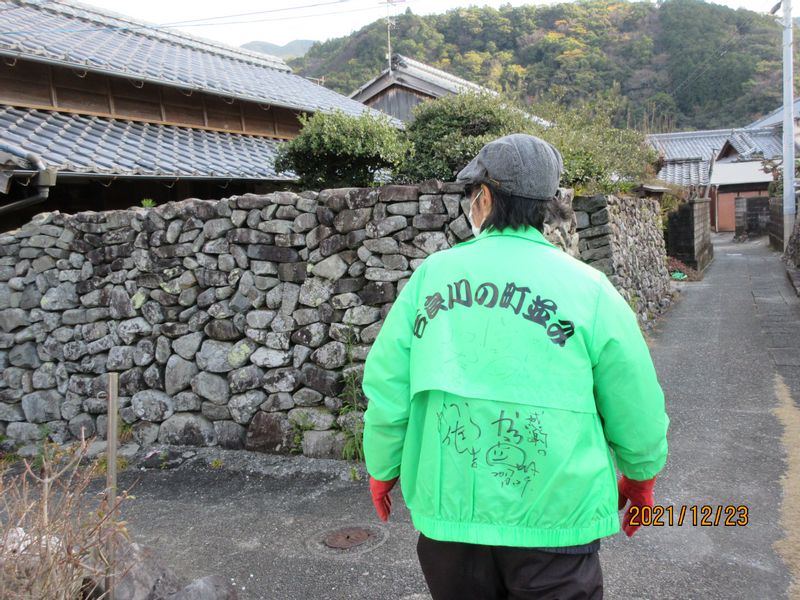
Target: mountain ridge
{"x": 678, "y": 64}
{"x": 293, "y": 49}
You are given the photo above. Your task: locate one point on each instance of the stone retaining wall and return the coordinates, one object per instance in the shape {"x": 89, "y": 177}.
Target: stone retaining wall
{"x": 622, "y": 237}
{"x": 245, "y": 322}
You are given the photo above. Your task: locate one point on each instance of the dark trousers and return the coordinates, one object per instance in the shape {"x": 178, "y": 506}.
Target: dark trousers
{"x": 456, "y": 571}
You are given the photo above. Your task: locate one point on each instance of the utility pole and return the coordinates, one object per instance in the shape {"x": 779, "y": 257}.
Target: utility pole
{"x": 789, "y": 195}
{"x": 389, "y": 24}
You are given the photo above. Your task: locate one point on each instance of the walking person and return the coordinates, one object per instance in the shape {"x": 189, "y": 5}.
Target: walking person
{"x": 506, "y": 383}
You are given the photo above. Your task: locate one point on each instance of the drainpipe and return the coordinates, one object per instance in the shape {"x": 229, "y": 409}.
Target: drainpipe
{"x": 45, "y": 179}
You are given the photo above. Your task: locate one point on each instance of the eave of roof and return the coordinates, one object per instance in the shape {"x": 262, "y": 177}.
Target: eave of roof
{"x": 685, "y": 172}
{"x": 101, "y": 147}
{"x": 424, "y": 73}
{"x": 138, "y": 51}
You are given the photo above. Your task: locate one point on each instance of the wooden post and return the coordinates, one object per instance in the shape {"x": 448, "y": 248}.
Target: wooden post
{"x": 111, "y": 469}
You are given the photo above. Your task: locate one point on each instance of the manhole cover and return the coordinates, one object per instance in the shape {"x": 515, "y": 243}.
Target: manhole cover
{"x": 344, "y": 539}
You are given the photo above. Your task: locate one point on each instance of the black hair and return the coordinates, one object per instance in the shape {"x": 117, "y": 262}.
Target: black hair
{"x": 514, "y": 212}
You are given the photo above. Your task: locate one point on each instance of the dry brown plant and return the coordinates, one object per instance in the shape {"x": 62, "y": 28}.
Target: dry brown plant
{"x": 58, "y": 537}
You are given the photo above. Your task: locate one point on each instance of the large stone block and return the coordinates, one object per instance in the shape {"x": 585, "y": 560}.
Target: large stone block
{"x": 230, "y": 435}
{"x": 21, "y": 432}
{"x": 211, "y": 387}
{"x": 213, "y": 356}
{"x": 178, "y": 374}
{"x": 270, "y": 358}
{"x": 269, "y": 432}
{"x": 11, "y": 412}
{"x": 243, "y": 406}
{"x": 282, "y": 379}
{"x": 323, "y": 444}
{"x": 324, "y": 381}
{"x": 246, "y": 378}
{"x": 387, "y": 226}
{"x": 120, "y": 358}
{"x": 330, "y": 356}
{"x": 589, "y": 204}
{"x": 187, "y": 346}
{"x": 26, "y": 356}
{"x": 186, "y": 429}
{"x": 273, "y": 253}
{"x": 12, "y": 318}
{"x": 42, "y": 406}
{"x": 312, "y": 417}
{"x": 152, "y": 405}
{"x": 332, "y": 268}
{"x": 352, "y": 219}
{"x": 61, "y": 297}
{"x": 240, "y": 354}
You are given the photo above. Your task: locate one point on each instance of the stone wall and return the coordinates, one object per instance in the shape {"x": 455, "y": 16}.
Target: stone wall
{"x": 245, "y": 322}
{"x": 622, "y": 237}
{"x": 689, "y": 234}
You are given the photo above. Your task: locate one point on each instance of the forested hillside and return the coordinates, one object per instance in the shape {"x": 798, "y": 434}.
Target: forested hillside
{"x": 680, "y": 64}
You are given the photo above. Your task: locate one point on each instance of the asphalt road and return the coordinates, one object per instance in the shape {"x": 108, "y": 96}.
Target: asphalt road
{"x": 727, "y": 355}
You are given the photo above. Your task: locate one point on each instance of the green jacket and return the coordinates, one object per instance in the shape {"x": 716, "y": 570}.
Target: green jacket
{"x": 505, "y": 382}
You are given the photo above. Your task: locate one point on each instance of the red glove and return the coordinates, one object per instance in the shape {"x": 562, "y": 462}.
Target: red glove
{"x": 640, "y": 493}
{"x": 380, "y": 496}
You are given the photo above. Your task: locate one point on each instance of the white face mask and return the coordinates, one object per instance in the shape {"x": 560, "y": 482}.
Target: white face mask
{"x": 475, "y": 229}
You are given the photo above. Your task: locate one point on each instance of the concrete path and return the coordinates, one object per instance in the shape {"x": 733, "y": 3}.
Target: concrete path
{"x": 727, "y": 354}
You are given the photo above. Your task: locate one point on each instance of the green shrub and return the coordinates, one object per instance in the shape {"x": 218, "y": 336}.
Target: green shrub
{"x": 338, "y": 150}
{"x": 447, "y": 132}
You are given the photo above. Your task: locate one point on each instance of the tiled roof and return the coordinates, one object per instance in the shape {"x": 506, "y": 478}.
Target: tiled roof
{"x": 436, "y": 76}
{"x": 764, "y": 142}
{"x": 423, "y": 77}
{"x": 81, "y": 144}
{"x": 690, "y": 144}
{"x": 685, "y": 172}
{"x": 85, "y": 37}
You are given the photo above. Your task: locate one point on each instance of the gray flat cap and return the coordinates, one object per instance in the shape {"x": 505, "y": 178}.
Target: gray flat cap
{"x": 519, "y": 164}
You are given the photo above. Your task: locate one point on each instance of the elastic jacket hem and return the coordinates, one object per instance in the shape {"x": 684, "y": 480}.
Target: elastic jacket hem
{"x": 492, "y": 534}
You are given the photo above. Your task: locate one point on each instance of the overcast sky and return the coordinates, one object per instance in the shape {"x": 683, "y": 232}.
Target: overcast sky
{"x": 281, "y": 21}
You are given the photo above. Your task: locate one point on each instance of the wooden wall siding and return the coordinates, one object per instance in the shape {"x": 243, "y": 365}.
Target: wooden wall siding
{"x": 34, "y": 85}
{"x": 398, "y": 102}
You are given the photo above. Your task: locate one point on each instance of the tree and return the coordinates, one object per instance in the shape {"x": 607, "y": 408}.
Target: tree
{"x": 446, "y": 133}
{"x": 682, "y": 63}
{"x": 338, "y": 150}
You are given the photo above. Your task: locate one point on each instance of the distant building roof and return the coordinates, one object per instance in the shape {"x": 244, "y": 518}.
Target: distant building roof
{"x": 419, "y": 76}
{"x": 424, "y": 81}
{"x": 748, "y": 144}
{"x": 94, "y": 145}
{"x": 775, "y": 117}
{"x": 76, "y": 35}
{"x": 689, "y": 155}
{"x": 685, "y": 172}
{"x": 690, "y": 144}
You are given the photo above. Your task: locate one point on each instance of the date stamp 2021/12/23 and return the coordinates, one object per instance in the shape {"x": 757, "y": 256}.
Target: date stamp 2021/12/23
{"x": 704, "y": 515}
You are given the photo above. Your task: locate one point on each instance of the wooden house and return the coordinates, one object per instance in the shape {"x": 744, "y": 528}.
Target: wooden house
{"x": 720, "y": 164}
{"x": 397, "y": 90}
{"x": 110, "y": 111}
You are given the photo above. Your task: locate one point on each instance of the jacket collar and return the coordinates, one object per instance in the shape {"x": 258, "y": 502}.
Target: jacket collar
{"x": 529, "y": 233}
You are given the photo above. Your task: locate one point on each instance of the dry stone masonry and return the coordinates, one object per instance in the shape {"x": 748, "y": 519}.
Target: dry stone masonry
{"x": 245, "y": 322}
{"x": 623, "y": 238}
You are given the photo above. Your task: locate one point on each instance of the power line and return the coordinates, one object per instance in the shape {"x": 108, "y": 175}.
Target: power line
{"x": 203, "y": 22}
